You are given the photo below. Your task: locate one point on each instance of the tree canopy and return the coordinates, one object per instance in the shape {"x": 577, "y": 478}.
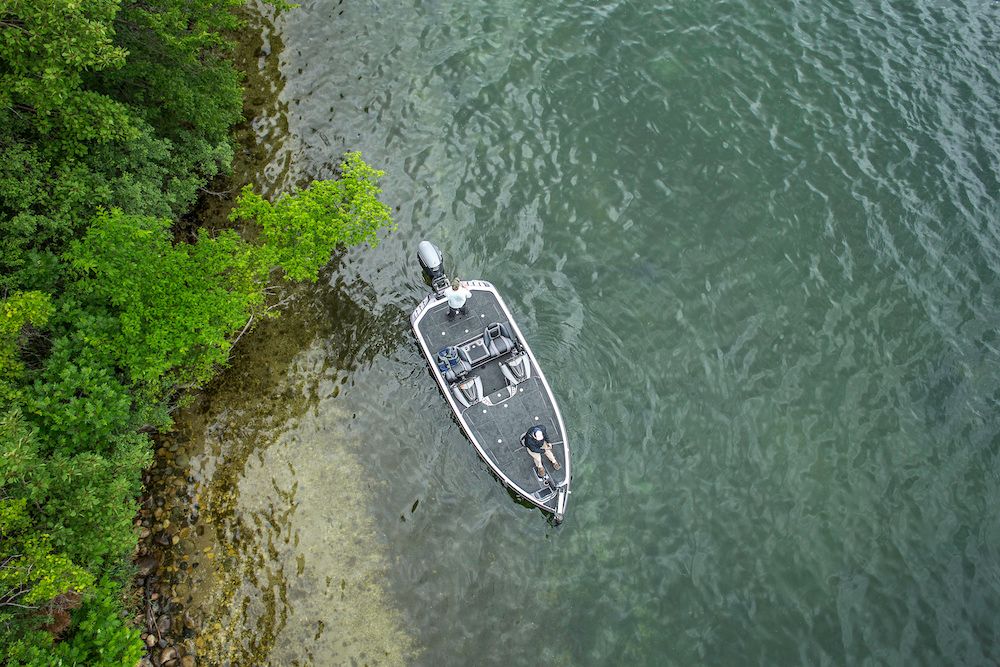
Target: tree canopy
{"x": 302, "y": 230}
{"x": 113, "y": 113}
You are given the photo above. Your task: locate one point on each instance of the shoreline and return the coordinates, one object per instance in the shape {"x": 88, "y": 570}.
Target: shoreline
{"x": 166, "y": 626}
{"x": 197, "y": 581}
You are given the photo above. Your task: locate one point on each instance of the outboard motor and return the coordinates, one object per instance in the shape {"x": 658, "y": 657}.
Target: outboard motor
{"x": 432, "y": 262}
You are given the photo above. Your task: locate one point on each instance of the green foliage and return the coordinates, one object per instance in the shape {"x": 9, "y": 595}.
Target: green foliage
{"x": 102, "y": 638}
{"x": 63, "y": 520}
{"x": 91, "y": 500}
{"x": 114, "y": 104}
{"x": 158, "y": 311}
{"x": 48, "y": 47}
{"x": 303, "y": 229}
{"x": 17, "y": 312}
{"x": 177, "y": 79}
{"x": 281, "y": 5}
{"x": 77, "y": 400}
{"x": 113, "y": 113}
{"x": 176, "y": 72}
{"x": 29, "y": 572}
{"x": 43, "y": 201}
{"x": 106, "y": 103}
{"x": 84, "y": 502}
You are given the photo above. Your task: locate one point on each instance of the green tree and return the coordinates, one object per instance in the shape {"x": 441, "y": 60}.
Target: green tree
{"x": 83, "y": 503}
{"x": 178, "y": 80}
{"x": 48, "y": 47}
{"x": 113, "y": 113}
{"x": 32, "y": 573}
{"x": 103, "y": 637}
{"x": 106, "y": 103}
{"x": 161, "y": 312}
{"x": 77, "y": 400}
{"x": 177, "y": 73}
{"x": 18, "y": 312}
{"x": 302, "y": 230}
{"x": 64, "y": 519}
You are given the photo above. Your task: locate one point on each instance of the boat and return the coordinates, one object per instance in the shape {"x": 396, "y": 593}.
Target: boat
{"x": 493, "y": 383}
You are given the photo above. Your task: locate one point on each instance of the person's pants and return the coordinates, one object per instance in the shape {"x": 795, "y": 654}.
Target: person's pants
{"x": 452, "y": 312}
{"x": 537, "y": 458}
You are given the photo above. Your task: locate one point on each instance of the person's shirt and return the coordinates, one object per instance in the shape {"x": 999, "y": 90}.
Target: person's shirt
{"x": 457, "y": 298}
{"x": 531, "y": 443}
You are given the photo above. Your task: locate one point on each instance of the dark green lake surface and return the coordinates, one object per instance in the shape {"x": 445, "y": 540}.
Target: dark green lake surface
{"x": 755, "y": 247}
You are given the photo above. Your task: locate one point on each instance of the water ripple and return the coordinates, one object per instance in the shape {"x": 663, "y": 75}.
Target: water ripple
{"x": 756, "y": 249}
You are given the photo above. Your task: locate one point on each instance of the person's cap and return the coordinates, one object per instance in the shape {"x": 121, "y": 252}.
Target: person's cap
{"x": 538, "y": 434}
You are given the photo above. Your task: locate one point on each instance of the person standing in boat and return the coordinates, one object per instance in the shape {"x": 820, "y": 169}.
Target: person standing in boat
{"x": 457, "y": 295}
{"x": 537, "y": 442}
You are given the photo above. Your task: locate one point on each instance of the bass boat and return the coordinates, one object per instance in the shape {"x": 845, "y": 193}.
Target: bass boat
{"x": 493, "y": 383}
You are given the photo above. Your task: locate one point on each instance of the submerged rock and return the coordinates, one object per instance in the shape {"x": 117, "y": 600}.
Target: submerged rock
{"x": 163, "y": 624}
{"x": 168, "y": 655}
{"x": 147, "y": 565}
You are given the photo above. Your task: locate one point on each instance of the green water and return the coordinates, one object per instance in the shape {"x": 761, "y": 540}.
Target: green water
{"x": 755, "y": 247}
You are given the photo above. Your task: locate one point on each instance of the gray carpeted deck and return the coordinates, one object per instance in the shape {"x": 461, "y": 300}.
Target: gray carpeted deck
{"x": 499, "y": 429}
{"x": 440, "y": 331}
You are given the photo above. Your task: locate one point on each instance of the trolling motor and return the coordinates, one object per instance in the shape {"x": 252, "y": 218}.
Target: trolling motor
{"x": 432, "y": 262}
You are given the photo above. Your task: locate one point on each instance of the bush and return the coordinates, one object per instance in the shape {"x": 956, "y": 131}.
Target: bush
{"x": 160, "y": 312}
{"x": 77, "y": 401}
{"x": 302, "y": 230}
{"x": 102, "y": 638}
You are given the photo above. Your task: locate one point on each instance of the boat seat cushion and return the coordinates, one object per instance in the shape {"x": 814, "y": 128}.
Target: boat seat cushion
{"x": 453, "y": 363}
{"x": 457, "y": 371}
{"x": 469, "y": 392}
{"x": 497, "y": 339}
{"x": 517, "y": 369}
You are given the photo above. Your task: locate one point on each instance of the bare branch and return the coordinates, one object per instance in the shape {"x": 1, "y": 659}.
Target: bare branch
{"x": 15, "y": 604}
{"x": 220, "y": 195}
{"x": 281, "y": 303}
{"x": 245, "y": 329}
{"x": 9, "y": 559}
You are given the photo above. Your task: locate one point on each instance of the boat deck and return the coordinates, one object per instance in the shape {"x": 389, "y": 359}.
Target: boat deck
{"x": 499, "y": 428}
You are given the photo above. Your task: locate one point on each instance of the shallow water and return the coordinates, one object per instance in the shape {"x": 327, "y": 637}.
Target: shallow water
{"x": 755, "y": 247}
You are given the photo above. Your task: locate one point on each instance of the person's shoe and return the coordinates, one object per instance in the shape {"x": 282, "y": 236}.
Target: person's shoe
{"x": 555, "y": 464}
{"x": 540, "y": 472}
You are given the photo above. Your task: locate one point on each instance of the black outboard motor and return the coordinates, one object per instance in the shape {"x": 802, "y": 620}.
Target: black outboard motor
{"x": 432, "y": 262}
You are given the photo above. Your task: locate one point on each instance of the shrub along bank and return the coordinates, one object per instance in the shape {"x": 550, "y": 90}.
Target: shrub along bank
{"x": 113, "y": 113}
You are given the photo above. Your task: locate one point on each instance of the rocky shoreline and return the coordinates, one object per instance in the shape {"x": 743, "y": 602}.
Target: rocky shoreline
{"x": 169, "y": 629}
{"x": 241, "y": 560}
{"x": 168, "y": 516}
